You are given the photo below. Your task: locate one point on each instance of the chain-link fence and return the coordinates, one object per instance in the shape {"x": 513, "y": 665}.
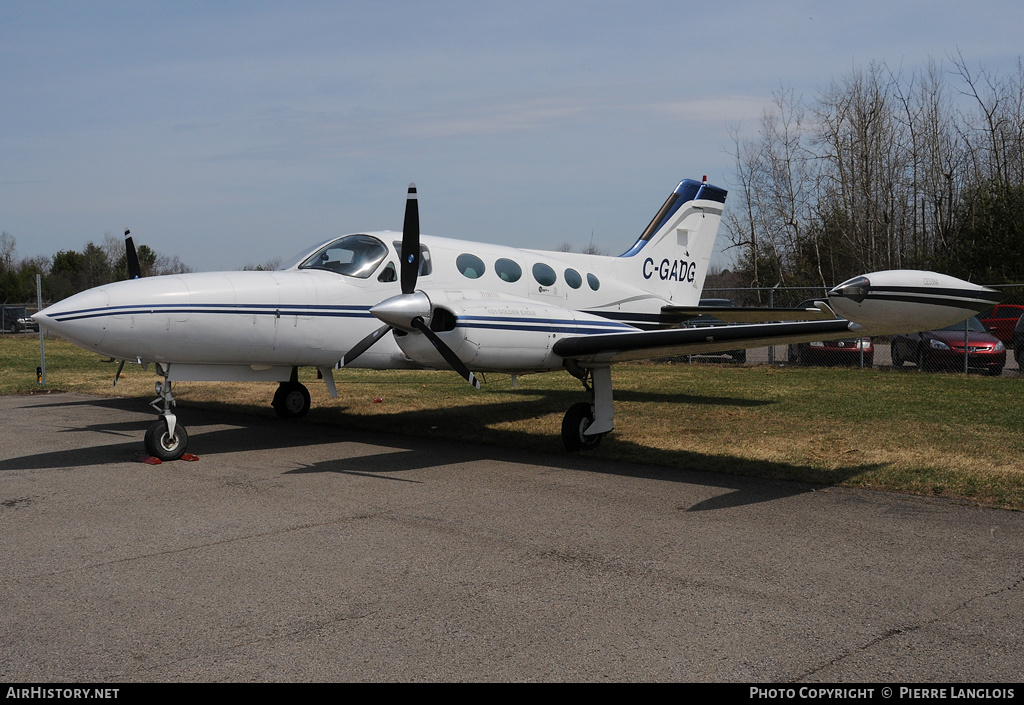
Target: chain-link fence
{"x": 991, "y": 344}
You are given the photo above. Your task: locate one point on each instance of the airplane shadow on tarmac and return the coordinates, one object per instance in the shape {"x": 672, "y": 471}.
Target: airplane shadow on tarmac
{"x": 215, "y": 431}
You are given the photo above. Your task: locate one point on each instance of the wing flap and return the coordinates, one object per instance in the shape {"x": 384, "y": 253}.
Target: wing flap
{"x": 643, "y": 345}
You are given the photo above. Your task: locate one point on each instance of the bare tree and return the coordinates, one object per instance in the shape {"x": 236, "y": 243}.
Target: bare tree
{"x": 7, "y": 244}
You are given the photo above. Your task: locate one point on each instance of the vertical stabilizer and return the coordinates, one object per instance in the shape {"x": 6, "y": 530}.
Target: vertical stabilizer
{"x": 672, "y": 255}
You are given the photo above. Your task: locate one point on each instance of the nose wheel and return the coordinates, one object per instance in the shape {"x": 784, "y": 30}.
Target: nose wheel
{"x": 166, "y": 439}
{"x": 162, "y": 444}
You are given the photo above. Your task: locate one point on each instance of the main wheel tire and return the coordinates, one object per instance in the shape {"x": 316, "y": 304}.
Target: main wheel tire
{"x": 161, "y": 445}
{"x": 576, "y": 420}
{"x": 291, "y": 401}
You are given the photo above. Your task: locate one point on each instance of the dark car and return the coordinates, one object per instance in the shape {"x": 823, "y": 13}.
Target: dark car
{"x": 832, "y": 352}
{"x": 707, "y": 320}
{"x": 943, "y": 349}
{"x": 1000, "y": 320}
{"x": 9, "y": 318}
{"x": 28, "y": 323}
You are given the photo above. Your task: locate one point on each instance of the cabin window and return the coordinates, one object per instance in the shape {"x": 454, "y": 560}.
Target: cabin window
{"x": 573, "y": 278}
{"x": 507, "y": 270}
{"x": 544, "y": 274}
{"x": 352, "y": 255}
{"x": 471, "y": 266}
{"x": 594, "y": 282}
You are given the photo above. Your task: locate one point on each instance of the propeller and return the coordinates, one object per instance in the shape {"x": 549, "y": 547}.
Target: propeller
{"x": 447, "y": 353}
{"x": 408, "y": 310}
{"x": 134, "y": 270}
{"x": 410, "y": 242}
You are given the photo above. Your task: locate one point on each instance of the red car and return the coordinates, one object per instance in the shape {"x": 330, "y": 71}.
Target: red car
{"x": 944, "y": 348}
{"x": 1001, "y": 320}
{"x": 832, "y": 352}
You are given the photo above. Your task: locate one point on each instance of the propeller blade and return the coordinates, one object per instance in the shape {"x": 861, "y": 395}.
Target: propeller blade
{"x": 447, "y": 353}
{"x": 411, "y": 242}
{"x": 364, "y": 345}
{"x": 134, "y": 270}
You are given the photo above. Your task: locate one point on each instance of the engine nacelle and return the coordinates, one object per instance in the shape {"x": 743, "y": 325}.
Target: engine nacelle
{"x": 500, "y": 334}
{"x": 907, "y": 301}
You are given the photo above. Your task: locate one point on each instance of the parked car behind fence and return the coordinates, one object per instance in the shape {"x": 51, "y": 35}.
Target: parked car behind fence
{"x": 944, "y": 348}
{"x": 708, "y": 320}
{"x": 9, "y": 318}
{"x": 849, "y": 351}
{"x": 1000, "y": 321}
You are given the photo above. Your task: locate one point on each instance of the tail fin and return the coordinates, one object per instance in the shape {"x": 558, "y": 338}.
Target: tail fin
{"x": 672, "y": 255}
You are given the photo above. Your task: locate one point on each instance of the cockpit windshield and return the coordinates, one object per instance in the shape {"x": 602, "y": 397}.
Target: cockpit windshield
{"x": 352, "y": 255}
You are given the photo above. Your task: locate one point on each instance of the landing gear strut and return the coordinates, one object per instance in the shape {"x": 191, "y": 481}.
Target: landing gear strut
{"x": 586, "y": 423}
{"x": 291, "y": 400}
{"x": 166, "y": 439}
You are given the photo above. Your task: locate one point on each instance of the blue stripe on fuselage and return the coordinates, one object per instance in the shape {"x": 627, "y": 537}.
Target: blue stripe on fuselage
{"x": 246, "y": 309}
{"x": 545, "y": 325}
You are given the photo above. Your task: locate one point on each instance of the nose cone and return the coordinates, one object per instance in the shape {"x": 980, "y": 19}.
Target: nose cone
{"x": 79, "y": 319}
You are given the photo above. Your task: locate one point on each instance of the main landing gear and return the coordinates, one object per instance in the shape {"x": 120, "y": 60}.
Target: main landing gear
{"x": 166, "y": 439}
{"x": 291, "y": 400}
{"x": 586, "y": 423}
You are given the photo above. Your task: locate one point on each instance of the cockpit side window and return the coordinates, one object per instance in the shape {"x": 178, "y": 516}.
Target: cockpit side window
{"x": 425, "y": 265}
{"x": 388, "y": 274}
{"x": 352, "y": 255}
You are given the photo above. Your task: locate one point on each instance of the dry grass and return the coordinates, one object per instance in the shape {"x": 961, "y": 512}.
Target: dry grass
{"x": 933, "y": 434}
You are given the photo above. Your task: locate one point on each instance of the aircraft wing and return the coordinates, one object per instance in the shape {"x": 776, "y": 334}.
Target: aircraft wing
{"x": 643, "y": 345}
{"x": 748, "y": 314}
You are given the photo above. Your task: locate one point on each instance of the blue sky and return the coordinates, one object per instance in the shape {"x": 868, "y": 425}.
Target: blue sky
{"x": 230, "y": 133}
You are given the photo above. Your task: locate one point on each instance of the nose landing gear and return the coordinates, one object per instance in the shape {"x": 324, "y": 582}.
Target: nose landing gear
{"x": 166, "y": 439}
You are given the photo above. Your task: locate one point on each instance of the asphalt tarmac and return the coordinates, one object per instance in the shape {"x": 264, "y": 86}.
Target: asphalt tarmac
{"x": 296, "y": 552}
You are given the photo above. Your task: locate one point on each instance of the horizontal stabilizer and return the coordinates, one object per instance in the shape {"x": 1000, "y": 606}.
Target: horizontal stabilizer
{"x": 748, "y": 314}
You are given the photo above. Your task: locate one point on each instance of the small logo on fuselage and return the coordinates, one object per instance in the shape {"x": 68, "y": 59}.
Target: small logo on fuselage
{"x": 678, "y": 270}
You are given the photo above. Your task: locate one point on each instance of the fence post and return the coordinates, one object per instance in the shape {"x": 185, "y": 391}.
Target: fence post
{"x": 967, "y": 325}
{"x": 42, "y": 348}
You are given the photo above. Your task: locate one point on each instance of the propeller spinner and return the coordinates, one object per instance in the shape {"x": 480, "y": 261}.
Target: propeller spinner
{"x": 408, "y": 311}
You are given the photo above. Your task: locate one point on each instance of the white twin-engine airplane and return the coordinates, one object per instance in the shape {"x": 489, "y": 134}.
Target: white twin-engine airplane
{"x": 450, "y": 304}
